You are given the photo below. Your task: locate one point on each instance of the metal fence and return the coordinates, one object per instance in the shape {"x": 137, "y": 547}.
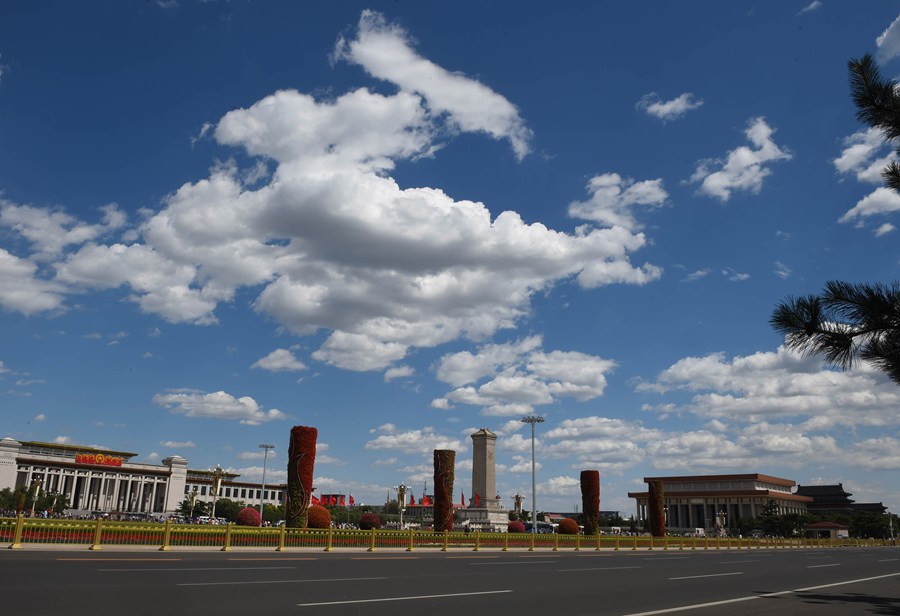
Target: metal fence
{"x": 94, "y": 534}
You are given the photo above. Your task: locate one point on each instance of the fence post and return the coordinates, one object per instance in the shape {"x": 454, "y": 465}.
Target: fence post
{"x": 578, "y": 541}
{"x": 98, "y": 529}
{"x": 329, "y": 539}
{"x": 227, "y": 546}
{"x": 681, "y": 544}
{"x": 281, "y": 537}
{"x": 505, "y": 542}
{"x": 650, "y": 549}
{"x": 371, "y": 540}
{"x": 531, "y": 549}
{"x": 556, "y": 542}
{"x": 446, "y": 538}
{"x": 634, "y": 543}
{"x": 477, "y": 540}
{"x": 167, "y": 537}
{"x": 17, "y": 534}
{"x": 411, "y": 531}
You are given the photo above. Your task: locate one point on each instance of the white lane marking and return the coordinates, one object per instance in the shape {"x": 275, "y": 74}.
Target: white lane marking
{"x": 694, "y": 577}
{"x": 279, "y": 581}
{"x": 598, "y": 569}
{"x": 410, "y": 598}
{"x": 530, "y": 562}
{"x": 698, "y": 606}
{"x": 666, "y": 558}
{"x": 828, "y": 565}
{"x": 888, "y": 560}
{"x": 194, "y": 569}
{"x": 737, "y": 562}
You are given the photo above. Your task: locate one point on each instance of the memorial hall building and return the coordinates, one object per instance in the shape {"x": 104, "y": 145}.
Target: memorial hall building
{"x": 103, "y": 481}
{"x": 716, "y": 502}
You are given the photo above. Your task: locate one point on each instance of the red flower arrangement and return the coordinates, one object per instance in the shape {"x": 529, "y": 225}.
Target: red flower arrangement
{"x": 590, "y": 501}
{"x": 301, "y": 460}
{"x": 444, "y": 461}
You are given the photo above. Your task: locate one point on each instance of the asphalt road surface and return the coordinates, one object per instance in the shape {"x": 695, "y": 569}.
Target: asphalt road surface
{"x": 821, "y": 582}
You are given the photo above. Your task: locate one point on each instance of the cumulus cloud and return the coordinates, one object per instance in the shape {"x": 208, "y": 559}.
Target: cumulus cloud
{"x": 612, "y": 199}
{"x": 385, "y": 51}
{"x": 744, "y": 168}
{"x": 420, "y": 441}
{"x": 778, "y": 385}
{"x": 324, "y": 238}
{"x": 217, "y": 405}
{"x": 881, "y": 201}
{"x": 280, "y": 360}
{"x": 668, "y": 110}
{"x": 512, "y": 378}
{"x": 815, "y": 5}
{"x": 888, "y": 42}
{"x": 177, "y": 444}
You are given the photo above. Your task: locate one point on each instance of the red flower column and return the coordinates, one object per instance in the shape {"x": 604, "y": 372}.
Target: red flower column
{"x": 444, "y": 461}
{"x": 656, "y": 515}
{"x": 301, "y": 459}
{"x": 590, "y": 501}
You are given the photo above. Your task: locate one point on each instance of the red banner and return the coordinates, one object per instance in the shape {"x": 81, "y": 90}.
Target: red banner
{"x": 97, "y": 458}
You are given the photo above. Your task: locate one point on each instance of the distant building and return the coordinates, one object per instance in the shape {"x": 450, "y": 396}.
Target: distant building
{"x": 834, "y": 499}
{"x": 719, "y": 502}
{"x": 103, "y": 481}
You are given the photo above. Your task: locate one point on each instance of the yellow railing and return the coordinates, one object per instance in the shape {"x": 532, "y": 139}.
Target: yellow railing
{"x": 95, "y": 534}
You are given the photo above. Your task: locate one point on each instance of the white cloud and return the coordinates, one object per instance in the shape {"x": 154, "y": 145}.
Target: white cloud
{"x": 888, "y": 42}
{"x": 884, "y": 229}
{"x": 323, "y": 237}
{"x": 744, "y": 167}
{"x": 39, "y": 418}
{"x": 385, "y": 51}
{"x": 21, "y": 290}
{"x": 784, "y": 384}
{"x": 422, "y": 441}
{"x": 612, "y": 199}
{"x": 257, "y": 455}
{"x": 881, "y": 201}
{"x": 177, "y": 444}
{"x": 865, "y": 155}
{"x": 280, "y": 360}
{"x": 734, "y": 276}
{"x": 815, "y": 5}
{"x": 668, "y": 110}
{"x": 217, "y": 405}
{"x": 399, "y": 372}
{"x": 697, "y": 275}
{"x": 63, "y": 440}
{"x": 518, "y": 376}
{"x": 782, "y": 270}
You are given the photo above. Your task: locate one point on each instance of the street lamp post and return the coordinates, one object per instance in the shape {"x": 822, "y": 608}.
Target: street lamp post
{"x": 36, "y": 486}
{"x": 218, "y": 473}
{"x": 262, "y": 493}
{"x": 193, "y": 497}
{"x": 533, "y": 419}
{"x": 401, "y": 502}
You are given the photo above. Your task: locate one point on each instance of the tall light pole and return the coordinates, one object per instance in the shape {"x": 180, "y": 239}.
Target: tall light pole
{"x": 262, "y": 493}
{"x": 533, "y": 419}
{"x": 218, "y": 473}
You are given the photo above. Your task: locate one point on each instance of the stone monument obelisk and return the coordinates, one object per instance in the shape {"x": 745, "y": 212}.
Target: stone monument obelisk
{"x": 485, "y": 511}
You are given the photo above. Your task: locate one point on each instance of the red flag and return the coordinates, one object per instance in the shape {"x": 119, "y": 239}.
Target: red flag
{"x": 462, "y": 499}
{"x": 426, "y": 501}
{"x": 412, "y": 499}
{"x": 342, "y": 500}
{"x": 477, "y": 500}
{"x": 351, "y": 500}
{"x": 315, "y": 501}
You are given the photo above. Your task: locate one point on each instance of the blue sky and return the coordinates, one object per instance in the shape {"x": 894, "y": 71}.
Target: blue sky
{"x": 400, "y": 222}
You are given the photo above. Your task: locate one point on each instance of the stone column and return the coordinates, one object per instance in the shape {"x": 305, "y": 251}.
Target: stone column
{"x": 484, "y": 477}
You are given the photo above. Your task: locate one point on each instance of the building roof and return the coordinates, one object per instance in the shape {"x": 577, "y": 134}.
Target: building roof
{"x": 738, "y": 477}
{"x": 60, "y": 449}
{"x": 727, "y": 493}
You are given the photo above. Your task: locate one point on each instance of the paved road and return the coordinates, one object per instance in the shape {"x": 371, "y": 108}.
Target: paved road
{"x": 700, "y": 583}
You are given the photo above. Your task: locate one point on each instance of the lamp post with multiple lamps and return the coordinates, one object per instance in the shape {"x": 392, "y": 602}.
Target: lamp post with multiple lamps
{"x": 266, "y": 447}
{"x": 217, "y": 474}
{"x": 401, "y": 502}
{"x": 193, "y": 498}
{"x": 35, "y": 486}
{"x": 533, "y": 419}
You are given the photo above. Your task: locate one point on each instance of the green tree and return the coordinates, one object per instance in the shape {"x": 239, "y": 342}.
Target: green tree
{"x": 847, "y": 323}
{"x": 878, "y": 105}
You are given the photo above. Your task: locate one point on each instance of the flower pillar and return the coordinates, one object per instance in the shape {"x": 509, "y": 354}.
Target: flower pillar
{"x": 301, "y": 459}
{"x": 444, "y": 460}
{"x": 590, "y": 501}
{"x": 656, "y": 514}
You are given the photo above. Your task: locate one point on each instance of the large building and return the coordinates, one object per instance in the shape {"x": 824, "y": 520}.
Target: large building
{"x": 97, "y": 481}
{"x": 717, "y": 502}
